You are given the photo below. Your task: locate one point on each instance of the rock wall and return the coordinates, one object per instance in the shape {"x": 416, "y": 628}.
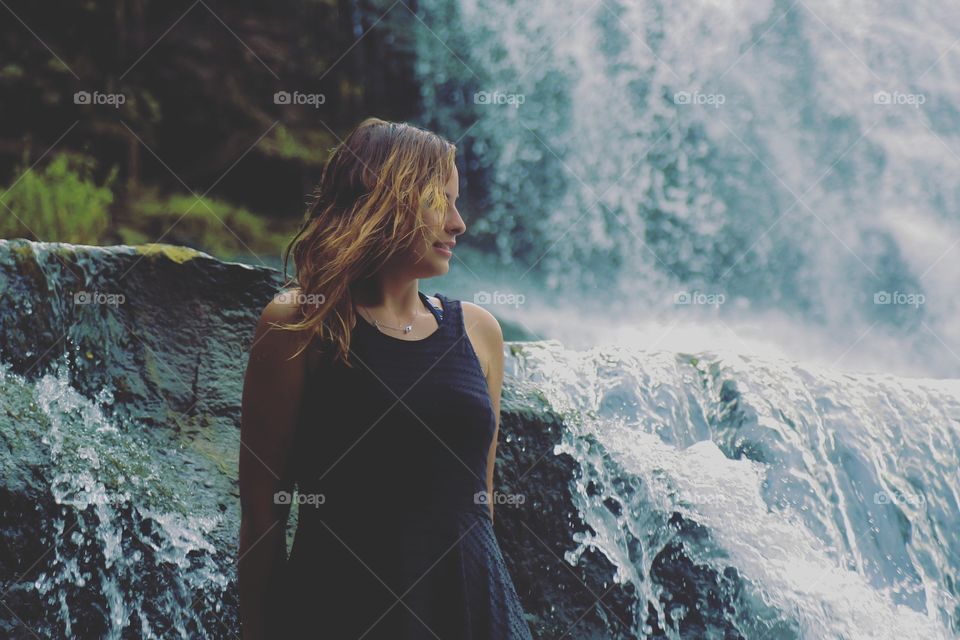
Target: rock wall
{"x": 127, "y": 362}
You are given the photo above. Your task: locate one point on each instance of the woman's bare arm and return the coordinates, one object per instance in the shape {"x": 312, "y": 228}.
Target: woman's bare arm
{"x": 490, "y": 353}
{"x": 494, "y": 382}
{"x": 270, "y": 408}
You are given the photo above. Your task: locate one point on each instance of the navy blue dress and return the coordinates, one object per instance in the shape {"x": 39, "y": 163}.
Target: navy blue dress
{"x": 389, "y": 458}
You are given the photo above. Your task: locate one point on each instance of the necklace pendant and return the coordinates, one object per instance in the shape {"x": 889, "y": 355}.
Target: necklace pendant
{"x": 408, "y": 328}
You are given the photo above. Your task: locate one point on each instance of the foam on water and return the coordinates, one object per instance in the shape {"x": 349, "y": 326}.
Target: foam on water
{"x": 120, "y": 508}
{"x": 832, "y": 497}
{"x": 799, "y": 197}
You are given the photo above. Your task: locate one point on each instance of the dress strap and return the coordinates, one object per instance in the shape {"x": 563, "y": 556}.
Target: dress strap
{"x": 437, "y": 312}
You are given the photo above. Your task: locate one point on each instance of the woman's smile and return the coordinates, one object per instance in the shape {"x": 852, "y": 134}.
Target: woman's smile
{"x": 444, "y": 248}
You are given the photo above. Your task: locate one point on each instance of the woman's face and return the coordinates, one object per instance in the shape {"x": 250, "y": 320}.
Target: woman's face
{"x": 443, "y": 229}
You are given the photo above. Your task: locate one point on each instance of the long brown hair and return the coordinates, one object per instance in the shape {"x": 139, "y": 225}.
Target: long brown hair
{"x": 367, "y": 207}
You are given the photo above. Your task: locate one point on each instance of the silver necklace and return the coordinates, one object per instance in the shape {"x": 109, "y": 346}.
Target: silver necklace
{"x": 407, "y": 328}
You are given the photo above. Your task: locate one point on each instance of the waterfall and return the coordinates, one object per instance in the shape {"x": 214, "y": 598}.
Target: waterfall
{"x": 129, "y": 543}
{"x": 822, "y": 505}
{"x": 796, "y": 160}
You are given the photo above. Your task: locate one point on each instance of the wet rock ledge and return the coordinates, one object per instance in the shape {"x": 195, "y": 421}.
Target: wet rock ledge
{"x": 119, "y": 436}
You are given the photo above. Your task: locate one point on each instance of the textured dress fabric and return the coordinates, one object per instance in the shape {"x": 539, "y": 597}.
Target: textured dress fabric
{"x": 389, "y": 458}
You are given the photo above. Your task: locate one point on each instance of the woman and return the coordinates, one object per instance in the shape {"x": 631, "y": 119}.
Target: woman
{"x": 382, "y": 405}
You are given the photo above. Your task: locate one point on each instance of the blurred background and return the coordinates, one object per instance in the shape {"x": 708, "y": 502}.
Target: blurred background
{"x": 173, "y": 122}
{"x": 723, "y": 240}
{"x": 770, "y": 177}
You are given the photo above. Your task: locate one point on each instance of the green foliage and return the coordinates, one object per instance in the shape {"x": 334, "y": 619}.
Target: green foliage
{"x": 60, "y": 202}
{"x": 11, "y": 70}
{"x": 309, "y": 147}
{"x": 199, "y": 107}
{"x": 214, "y": 226}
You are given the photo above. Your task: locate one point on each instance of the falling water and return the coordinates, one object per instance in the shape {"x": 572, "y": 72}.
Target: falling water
{"x": 128, "y": 543}
{"x": 796, "y": 158}
{"x": 824, "y": 504}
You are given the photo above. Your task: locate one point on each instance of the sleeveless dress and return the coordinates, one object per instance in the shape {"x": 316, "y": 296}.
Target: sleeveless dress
{"x": 394, "y": 538}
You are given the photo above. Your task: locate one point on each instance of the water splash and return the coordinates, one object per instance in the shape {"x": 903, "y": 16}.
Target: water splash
{"x": 130, "y": 544}
{"x": 800, "y": 197}
{"x": 818, "y": 504}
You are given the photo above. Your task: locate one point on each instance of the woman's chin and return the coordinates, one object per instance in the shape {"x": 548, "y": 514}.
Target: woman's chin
{"x": 429, "y": 265}
{"x": 432, "y": 269}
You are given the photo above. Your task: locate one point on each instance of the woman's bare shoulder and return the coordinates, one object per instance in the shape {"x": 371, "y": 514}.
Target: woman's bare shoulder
{"x": 475, "y": 315}
{"x": 283, "y": 307}
{"x": 484, "y": 332}
{"x": 286, "y": 308}
{"x": 271, "y": 341}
